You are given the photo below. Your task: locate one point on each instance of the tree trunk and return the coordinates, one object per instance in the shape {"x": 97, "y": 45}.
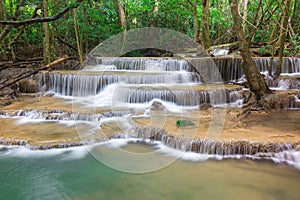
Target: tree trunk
{"x": 205, "y": 39}
{"x": 296, "y": 13}
{"x": 1, "y": 13}
{"x": 283, "y": 32}
{"x": 155, "y": 14}
{"x": 78, "y": 41}
{"x": 85, "y": 32}
{"x": 245, "y": 15}
{"x": 251, "y": 28}
{"x": 196, "y": 31}
{"x": 273, "y": 44}
{"x": 255, "y": 79}
{"x": 46, "y": 40}
{"x": 121, "y": 15}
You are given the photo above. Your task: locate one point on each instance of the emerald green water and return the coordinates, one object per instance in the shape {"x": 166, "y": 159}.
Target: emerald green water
{"x": 75, "y": 175}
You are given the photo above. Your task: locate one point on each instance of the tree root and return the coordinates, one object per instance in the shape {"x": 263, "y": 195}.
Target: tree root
{"x": 252, "y": 105}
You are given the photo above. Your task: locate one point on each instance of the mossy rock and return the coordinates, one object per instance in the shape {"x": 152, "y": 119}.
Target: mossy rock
{"x": 184, "y": 123}
{"x": 28, "y": 86}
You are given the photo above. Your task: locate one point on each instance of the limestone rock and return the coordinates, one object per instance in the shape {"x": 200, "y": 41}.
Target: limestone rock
{"x": 205, "y": 106}
{"x": 28, "y": 86}
{"x": 156, "y": 105}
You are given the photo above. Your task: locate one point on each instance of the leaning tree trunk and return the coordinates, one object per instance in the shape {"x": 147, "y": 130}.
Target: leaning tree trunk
{"x": 78, "y": 41}
{"x": 46, "y": 40}
{"x": 245, "y": 15}
{"x": 283, "y": 31}
{"x": 205, "y": 39}
{"x": 255, "y": 80}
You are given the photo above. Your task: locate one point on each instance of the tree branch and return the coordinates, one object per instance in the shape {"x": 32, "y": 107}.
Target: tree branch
{"x": 34, "y": 14}
{"x": 28, "y": 74}
{"x": 42, "y": 19}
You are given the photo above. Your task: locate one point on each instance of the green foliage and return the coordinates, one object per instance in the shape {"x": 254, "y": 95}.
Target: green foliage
{"x": 98, "y": 20}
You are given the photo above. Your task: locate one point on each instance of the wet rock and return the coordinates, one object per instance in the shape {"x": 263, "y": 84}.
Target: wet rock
{"x": 49, "y": 94}
{"x": 264, "y": 155}
{"x": 156, "y": 105}
{"x": 28, "y": 86}
{"x": 205, "y": 106}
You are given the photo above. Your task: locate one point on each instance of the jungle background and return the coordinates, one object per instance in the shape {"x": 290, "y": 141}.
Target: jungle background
{"x": 43, "y": 31}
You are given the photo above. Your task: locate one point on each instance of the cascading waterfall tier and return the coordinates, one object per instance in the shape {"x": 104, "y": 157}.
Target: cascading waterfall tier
{"x": 61, "y": 115}
{"x": 214, "y": 147}
{"x": 181, "y": 97}
{"x": 284, "y": 83}
{"x": 148, "y": 64}
{"x": 231, "y": 68}
{"x": 87, "y": 83}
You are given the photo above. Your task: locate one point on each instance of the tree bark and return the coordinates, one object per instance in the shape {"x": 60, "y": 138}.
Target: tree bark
{"x": 121, "y": 15}
{"x": 273, "y": 44}
{"x": 296, "y": 13}
{"x": 205, "y": 39}
{"x": 46, "y": 39}
{"x": 196, "y": 31}
{"x": 1, "y": 13}
{"x": 283, "y": 32}
{"x": 155, "y": 14}
{"x": 245, "y": 15}
{"x": 78, "y": 41}
{"x": 255, "y": 79}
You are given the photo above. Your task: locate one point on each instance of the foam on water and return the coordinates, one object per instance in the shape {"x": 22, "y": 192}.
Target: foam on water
{"x": 25, "y": 152}
{"x": 290, "y": 157}
{"x": 100, "y": 67}
{"x": 290, "y": 74}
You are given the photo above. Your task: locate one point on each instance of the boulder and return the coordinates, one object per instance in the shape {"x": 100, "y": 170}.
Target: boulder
{"x": 28, "y": 86}
{"x": 156, "y": 105}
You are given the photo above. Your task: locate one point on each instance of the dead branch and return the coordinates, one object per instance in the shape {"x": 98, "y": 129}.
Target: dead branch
{"x": 67, "y": 43}
{"x": 28, "y": 74}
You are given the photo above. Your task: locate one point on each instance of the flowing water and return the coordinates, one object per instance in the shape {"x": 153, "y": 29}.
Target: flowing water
{"x": 73, "y": 174}
{"x": 102, "y": 100}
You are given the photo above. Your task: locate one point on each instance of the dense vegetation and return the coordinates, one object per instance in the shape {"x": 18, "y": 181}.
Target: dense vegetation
{"x": 85, "y": 24}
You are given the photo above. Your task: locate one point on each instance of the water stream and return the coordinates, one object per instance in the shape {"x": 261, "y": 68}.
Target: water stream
{"x": 86, "y": 108}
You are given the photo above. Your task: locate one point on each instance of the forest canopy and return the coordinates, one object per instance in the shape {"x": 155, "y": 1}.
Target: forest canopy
{"x": 49, "y": 29}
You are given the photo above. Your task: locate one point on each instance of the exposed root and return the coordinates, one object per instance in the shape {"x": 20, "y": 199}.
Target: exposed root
{"x": 252, "y": 105}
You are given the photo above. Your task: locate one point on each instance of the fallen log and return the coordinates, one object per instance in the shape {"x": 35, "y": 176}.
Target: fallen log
{"x": 28, "y": 74}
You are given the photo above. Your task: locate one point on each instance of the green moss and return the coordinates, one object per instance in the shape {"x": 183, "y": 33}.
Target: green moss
{"x": 184, "y": 123}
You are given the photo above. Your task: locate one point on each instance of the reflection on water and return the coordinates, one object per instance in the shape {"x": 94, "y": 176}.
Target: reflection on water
{"x": 66, "y": 175}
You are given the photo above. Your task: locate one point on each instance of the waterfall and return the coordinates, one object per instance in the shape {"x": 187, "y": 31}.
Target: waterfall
{"x": 85, "y": 84}
{"x": 289, "y": 65}
{"x": 181, "y": 97}
{"x": 214, "y": 147}
{"x": 294, "y": 102}
{"x": 61, "y": 115}
{"x": 149, "y": 64}
{"x": 231, "y": 68}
